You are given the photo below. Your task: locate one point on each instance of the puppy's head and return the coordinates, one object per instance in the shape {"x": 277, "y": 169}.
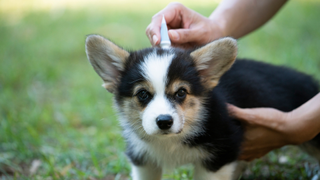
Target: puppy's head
{"x": 160, "y": 92}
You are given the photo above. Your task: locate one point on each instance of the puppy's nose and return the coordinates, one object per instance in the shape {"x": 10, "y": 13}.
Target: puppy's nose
{"x": 164, "y": 122}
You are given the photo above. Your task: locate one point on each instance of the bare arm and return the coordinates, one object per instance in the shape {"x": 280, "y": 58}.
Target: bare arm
{"x": 237, "y": 18}
{"x": 234, "y": 18}
{"x": 268, "y": 129}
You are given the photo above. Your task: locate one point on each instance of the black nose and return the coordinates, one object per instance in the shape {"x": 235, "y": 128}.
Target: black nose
{"x": 164, "y": 122}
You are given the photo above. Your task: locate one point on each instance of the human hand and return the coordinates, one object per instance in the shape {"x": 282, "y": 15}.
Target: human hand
{"x": 187, "y": 28}
{"x": 267, "y": 129}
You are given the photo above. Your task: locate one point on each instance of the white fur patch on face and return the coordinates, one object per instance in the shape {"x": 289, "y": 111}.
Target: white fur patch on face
{"x": 155, "y": 70}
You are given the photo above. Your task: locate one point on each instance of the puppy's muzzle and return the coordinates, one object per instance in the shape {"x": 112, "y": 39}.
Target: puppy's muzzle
{"x": 164, "y": 122}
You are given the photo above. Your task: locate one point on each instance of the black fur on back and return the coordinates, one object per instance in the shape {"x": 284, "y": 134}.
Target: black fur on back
{"x": 248, "y": 84}
{"x": 255, "y": 84}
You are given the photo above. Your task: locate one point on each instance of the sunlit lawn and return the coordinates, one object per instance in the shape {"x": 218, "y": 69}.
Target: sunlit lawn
{"x": 53, "y": 109}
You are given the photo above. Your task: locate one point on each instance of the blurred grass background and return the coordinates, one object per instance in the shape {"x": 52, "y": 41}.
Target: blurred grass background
{"x": 57, "y": 122}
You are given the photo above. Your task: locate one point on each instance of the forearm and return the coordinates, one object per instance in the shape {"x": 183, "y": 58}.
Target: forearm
{"x": 237, "y": 18}
{"x": 306, "y": 119}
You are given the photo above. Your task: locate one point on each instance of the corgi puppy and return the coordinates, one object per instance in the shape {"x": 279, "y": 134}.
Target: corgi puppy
{"x": 172, "y": 102}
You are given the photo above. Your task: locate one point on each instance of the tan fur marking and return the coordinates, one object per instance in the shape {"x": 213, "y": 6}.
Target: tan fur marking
{"x": 107, "y": 60}
{"x": 132, "y": 110}
{"x": 191, "y": 112}
{"x": 176, "y": 85}
{"x": 214, "y": 59}
{"x": 144, "y": 85}
{"x": 190, "y": 104}
{"x": 121, "y": 54}
{"x": 104, "y": 49}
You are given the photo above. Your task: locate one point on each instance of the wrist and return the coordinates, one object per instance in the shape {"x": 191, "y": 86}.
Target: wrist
{"x": 216, "y": 30}
{"x": 224, "y": 18}
{"x": 287, "y": 122}
{"x": 298, "y": 129}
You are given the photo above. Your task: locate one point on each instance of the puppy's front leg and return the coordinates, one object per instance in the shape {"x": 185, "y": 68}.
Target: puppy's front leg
{"x": 224, "y": 173}
{"x": 146, "y": 172}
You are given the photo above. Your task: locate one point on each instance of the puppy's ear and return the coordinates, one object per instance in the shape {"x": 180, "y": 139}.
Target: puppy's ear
{"x": 107, "y": 60}
{"x": 214, "y": 59}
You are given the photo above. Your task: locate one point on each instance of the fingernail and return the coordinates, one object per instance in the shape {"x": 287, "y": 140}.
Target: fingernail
{"x": 173, "y": 35}
{"x": 230, "y": 109}
{"x": 154, "y": 39}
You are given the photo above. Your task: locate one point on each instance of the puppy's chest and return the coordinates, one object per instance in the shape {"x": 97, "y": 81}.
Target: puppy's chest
{"x": 170, "y": 153}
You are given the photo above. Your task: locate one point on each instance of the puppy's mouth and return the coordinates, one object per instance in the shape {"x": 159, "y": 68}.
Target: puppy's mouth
{"x": 170, "y": 133}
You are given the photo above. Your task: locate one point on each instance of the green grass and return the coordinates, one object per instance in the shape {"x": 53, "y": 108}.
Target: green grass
{"x": 53, "y": 109}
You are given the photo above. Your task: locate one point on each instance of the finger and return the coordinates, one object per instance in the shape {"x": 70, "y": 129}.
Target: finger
{"x": 153, "y": 29}
{"x": 266, "y": 117}
{"x": 149, "y": 37}
{"x": 245, "y": 157}
{"x": 173, "y": 14}
{"x": 181, "y": 36}
{"x": 251, "y": 155}
{"x": 153, "y": 33}
{"x": 232, "y": 110}
{"x": 172, "y": 18}
{"x": 240, "y": 114}
{"x": 186, "y": 46}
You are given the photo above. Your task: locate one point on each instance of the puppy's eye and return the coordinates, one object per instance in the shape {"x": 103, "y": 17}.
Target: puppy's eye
{"x": 143, "y": 95}
{"x": 181, "y": 93}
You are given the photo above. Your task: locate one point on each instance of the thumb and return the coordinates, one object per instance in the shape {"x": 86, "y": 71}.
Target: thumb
{"x": 267, "y": 117}
{"x": 180, "y": 36}
{"x": 238, "y": 113}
